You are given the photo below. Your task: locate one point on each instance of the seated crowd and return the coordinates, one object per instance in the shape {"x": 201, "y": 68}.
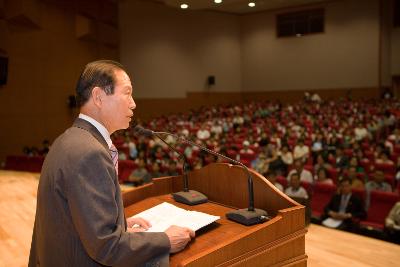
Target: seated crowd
{"x": 309, "y": 142}
{"x": 352, "y": 145}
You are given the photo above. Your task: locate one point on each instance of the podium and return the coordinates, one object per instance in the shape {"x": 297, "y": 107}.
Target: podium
{"x": 277, "y": 242}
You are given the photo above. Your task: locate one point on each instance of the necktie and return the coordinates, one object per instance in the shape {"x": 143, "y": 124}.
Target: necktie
{"x": 114, "y": 156}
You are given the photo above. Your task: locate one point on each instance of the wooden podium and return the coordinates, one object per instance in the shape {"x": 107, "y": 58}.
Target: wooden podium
{"x": 277, "y": 242}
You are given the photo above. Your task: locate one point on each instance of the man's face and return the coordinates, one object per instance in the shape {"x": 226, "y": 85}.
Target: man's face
{"x": 295, "y": 181}
{"x": 352, "y": 173}
{"x": 298, "y": 165}
{"x": 346, "y": 187}
{"x": 118, "y": 107}
{"x": 379, "y": 176}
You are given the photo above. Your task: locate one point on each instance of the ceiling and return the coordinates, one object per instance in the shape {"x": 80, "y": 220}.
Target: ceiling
{"x": 239, "y": 6}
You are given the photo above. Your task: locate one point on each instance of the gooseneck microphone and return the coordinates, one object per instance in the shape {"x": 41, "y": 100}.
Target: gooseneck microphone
{"x": 189, "y": 197}
{"x": 247, "y": 216}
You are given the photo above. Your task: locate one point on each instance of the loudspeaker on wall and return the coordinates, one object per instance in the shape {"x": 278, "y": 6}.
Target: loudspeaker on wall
{"x": 3, "y": 70}
{"x": 211, "y": 80}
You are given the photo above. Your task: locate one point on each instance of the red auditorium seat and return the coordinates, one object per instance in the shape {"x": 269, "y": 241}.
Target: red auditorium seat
{"x": 283, "y": 181}
{"x": 321, "y": 196}
{"x": 125, "y": 168}
{"x": 34, "y": 164}
{"x": 386, "y": 168}
{"x": 380, "y": 205}
{"x": 24, "y": 163}
{"x": 12, "y": 163}
{"x": 247, "y": 158}
{"x": 308, "y": 187}
{"x": 333, "y": 174}
{"x": 348, "y": 152}
{"x": 310, "y": 168}
{"x": 369, "y": 155}
{"x": 366, "y": 164}
{"x": 124, "y": 149}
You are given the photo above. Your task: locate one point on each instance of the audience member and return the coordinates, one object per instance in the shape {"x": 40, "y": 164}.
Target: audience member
{"x": 340, "y": 159}
{"x": 286, "y": 156}
{"x": 260, "y": 163}
{"x": 322, "y": 177}
{"x": 301, "y": 151}
{"x": 392, "y": 222}
{"x": 377, "y": 184}
{"x": 272, "y": 177}
{"x": 343, "y": 208}
{"x": 156, "y": 170}
{"x": 140, "y": 174}
{"x": 305, "y": 175}
{"x": 355, "y": 182}
{"x": 295, "y": 189}
{"x": 321, "y": 163}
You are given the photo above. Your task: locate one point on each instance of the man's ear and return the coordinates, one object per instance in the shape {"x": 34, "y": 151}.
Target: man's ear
{"x": 97, "y": 96}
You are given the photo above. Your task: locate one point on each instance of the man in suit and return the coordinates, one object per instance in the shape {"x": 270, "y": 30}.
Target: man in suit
{"x": 341, "y": 159}
{"x": 80, "y": 215}
{"x": 345, "y": 207}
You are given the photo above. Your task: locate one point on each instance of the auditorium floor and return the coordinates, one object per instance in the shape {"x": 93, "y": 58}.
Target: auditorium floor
{"x": 324, "y": 247}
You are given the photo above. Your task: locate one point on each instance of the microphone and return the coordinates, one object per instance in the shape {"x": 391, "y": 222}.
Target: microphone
{"x": 247, "y": 216}
{"x": 189, "y": 197}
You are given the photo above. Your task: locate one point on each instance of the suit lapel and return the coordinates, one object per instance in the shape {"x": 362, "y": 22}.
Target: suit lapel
{"x": 87, "y": 126}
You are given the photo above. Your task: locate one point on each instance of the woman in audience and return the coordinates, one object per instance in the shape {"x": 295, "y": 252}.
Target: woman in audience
{"x": 321, "y": 163}
{"x": 322, "y": 177}
{"x": 354, "y": 163}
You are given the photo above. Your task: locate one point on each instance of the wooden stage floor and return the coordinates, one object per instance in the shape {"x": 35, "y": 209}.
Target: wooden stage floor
{"x": 324, "y": 247}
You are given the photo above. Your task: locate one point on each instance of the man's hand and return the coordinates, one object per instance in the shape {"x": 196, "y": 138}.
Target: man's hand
{"x": 179, "y": 237}
{"x": 137, "y": 224}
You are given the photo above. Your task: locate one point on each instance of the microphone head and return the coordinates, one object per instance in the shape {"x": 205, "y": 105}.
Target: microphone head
{"x": 139, "y": 130}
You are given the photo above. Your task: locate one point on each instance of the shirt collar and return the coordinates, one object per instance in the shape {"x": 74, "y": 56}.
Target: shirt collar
{"x": 103, "y": 131}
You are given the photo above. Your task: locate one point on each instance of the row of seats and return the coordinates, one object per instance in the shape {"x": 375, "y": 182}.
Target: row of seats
{"x": 380, "y": 203}
{"x": 24, "y": 163}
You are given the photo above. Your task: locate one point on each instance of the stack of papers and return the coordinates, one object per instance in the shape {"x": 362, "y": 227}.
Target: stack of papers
{"x": 165, "y": 214}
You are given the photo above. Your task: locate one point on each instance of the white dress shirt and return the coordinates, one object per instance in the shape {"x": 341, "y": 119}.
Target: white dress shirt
{"x": 100, "y": 127}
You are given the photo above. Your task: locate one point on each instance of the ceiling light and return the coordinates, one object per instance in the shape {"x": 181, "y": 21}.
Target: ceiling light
{"x": 184, "y": 6}
{"x": 252, "y": 4}
{"x": 218, "y": 1}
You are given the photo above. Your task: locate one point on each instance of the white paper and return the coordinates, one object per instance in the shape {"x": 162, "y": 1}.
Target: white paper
{"x": 165, "y": 214}
{"x": 332, "y": 223}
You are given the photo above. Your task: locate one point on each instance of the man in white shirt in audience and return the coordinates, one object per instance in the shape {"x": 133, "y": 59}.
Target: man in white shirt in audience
{"x": 295, "y": 189}
{"x": 305, "y": 175}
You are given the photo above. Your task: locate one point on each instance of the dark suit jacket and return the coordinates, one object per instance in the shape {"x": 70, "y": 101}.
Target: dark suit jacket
{"x": 80, "y": 215}
{"x": 342, "y": 162}
{"x": 355, "y": 206}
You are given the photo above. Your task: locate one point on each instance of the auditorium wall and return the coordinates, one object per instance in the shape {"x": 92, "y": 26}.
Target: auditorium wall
{"x": 344, "y": 56}
{"x": 45, "y": 60}
{"x": 171, "y": 52}
{"x": 395, "y": 51}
